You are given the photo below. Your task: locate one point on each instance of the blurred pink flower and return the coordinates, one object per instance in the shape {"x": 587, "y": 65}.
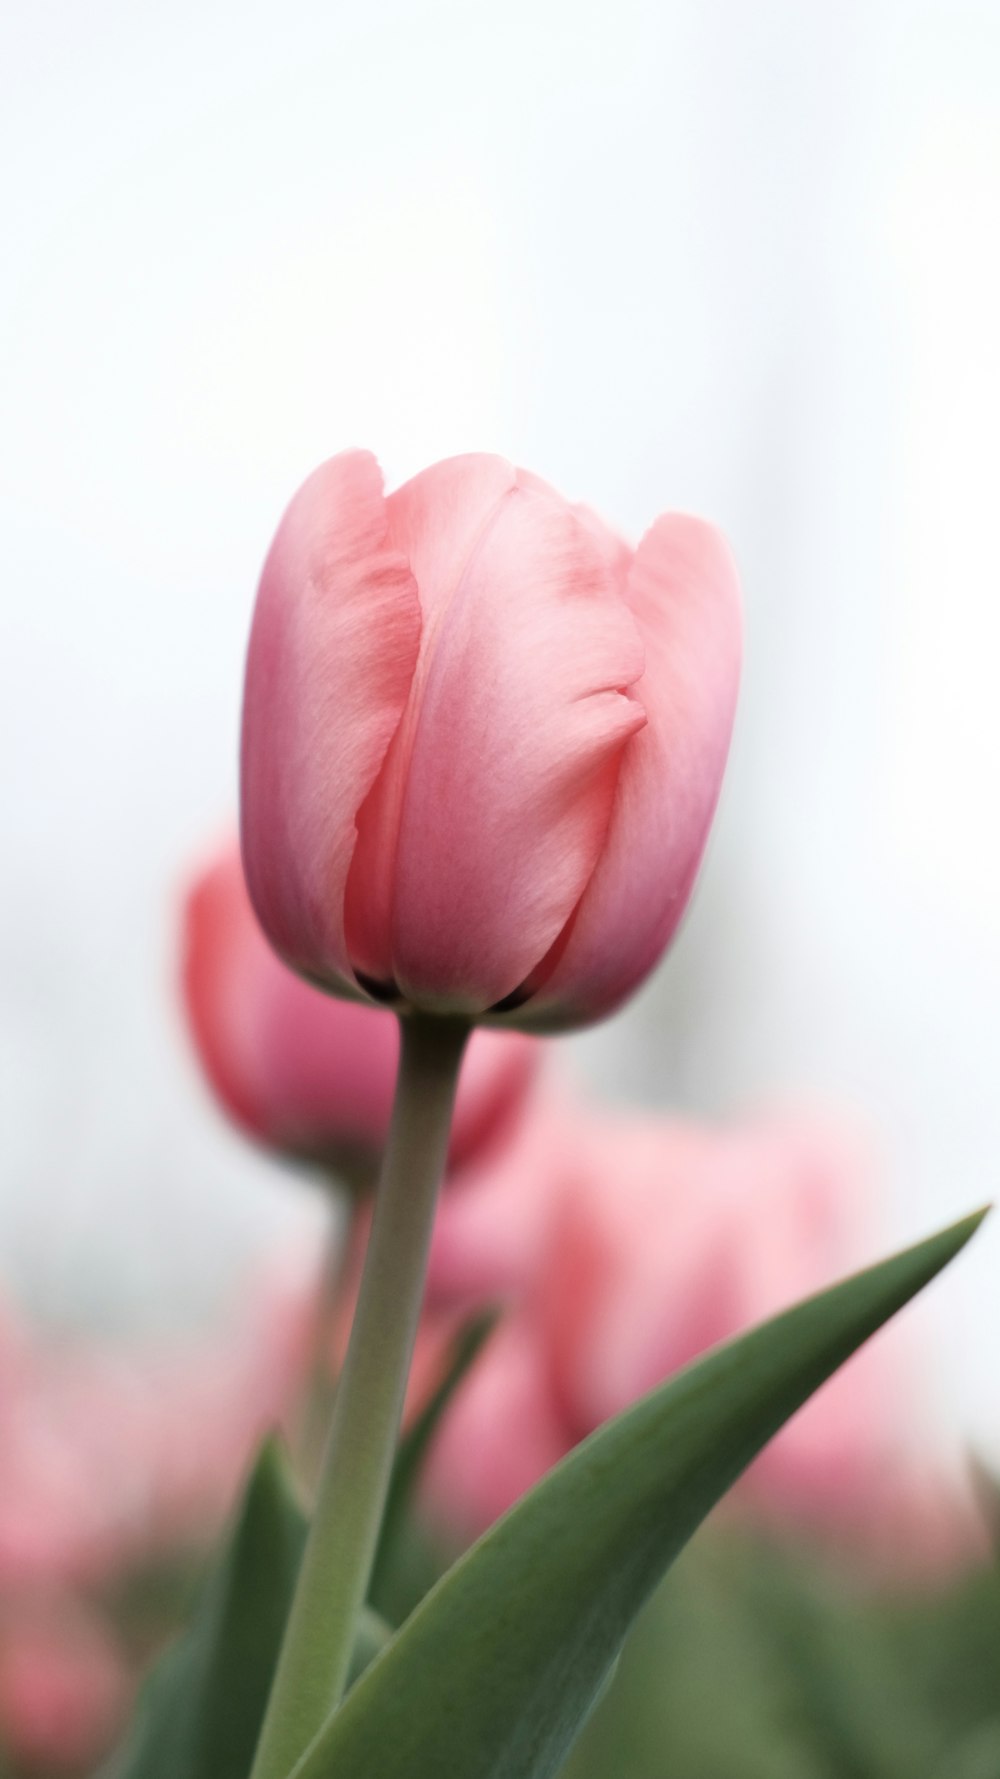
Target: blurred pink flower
{"x": 107, "y": 1459}
{"x": 483, "y": 739}
{"x": 301, "y": 1071}
{"x": 648, "y": 1241}
{"x": 490, "y": 1238}
{"x": 64, "y": 1688}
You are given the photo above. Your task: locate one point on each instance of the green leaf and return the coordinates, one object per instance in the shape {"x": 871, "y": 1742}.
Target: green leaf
{"x": 494, "y": 1673}
{"x": 842, "y": 1677}
{"x": 987, "y": 1488}
{"x": 945, "y": 1639}
{"x": 976, "y": 1758}
{"x": 201, "y": 1709}
{"x": 701, "y": 1692}
{"x": 465, "y": 1348}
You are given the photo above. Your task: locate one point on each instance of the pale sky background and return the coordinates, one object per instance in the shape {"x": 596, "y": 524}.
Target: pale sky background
{"x": 736, "y": 258}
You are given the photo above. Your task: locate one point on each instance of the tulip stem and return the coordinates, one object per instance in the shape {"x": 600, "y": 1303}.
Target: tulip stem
{"x": 357, "y": 1466}
{"x": 320, "y": 1386}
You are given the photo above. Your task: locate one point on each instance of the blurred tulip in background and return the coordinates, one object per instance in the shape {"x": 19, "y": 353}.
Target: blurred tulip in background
{"x": 64, "y": 1687}
{"x": 626, "y": 1245}
{"x": 304, "y": 1073}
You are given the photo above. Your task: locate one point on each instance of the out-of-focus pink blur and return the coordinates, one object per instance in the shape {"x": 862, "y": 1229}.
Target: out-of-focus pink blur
{"x": 309, "y": 1075}
{"x": 109, "y": 1462}
{"x": 626, "y": 1246}
{"x": 107, "y": 1458}
{"x": 64, "y": 1688}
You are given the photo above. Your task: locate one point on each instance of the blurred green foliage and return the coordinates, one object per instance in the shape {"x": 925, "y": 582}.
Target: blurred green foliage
{"x": 758, "y": 1660}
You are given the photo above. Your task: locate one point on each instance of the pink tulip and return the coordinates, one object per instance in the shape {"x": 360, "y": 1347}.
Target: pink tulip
{"x": 483, "y": 740}
{"x": 649, "y": 1241}
{"x": 762, "y": 1216}
{"x": 63, "y": 1684}
{"x": 305, "y": 1073}
{"x": 677, "y": 1235}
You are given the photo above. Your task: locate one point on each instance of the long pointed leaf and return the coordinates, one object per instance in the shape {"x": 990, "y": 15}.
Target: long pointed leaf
{"x": 200, "y": 1712}
{"x": 201, "y": 1709}
{"x": 495, "y": 1671}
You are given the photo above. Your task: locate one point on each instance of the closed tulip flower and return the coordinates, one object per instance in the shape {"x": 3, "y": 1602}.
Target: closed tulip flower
{"x": 305, "y": 1074}
{"x": 483, "y": 740}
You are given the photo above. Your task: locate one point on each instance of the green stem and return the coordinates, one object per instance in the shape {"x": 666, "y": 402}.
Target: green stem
{"x": 313, "y": 1419}
{"x": 337, "y": 1564}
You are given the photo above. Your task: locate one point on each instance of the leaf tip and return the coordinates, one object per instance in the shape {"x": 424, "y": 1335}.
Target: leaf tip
{"x": 966, "y": 1227}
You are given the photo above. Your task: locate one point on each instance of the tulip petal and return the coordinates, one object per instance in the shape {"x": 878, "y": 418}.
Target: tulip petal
{"x": 332, "y": 652}
{"x": 436, "y": 520}
{"x": 612, "y": 546}
{"x": 519, "y": 730}
{"x": 220, "y": 991}
{"x": 684, "y": 593}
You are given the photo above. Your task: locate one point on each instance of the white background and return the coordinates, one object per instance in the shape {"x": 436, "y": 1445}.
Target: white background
{"x": 732, "y": 257}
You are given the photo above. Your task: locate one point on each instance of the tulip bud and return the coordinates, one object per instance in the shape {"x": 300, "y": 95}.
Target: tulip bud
{"x": 483, "y": 740}
{"x": 305, "y": 1074}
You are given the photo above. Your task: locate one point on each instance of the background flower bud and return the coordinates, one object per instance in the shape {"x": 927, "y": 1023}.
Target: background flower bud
{"x": 305, "y": 1073}
{"x": 483, "y": 739}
